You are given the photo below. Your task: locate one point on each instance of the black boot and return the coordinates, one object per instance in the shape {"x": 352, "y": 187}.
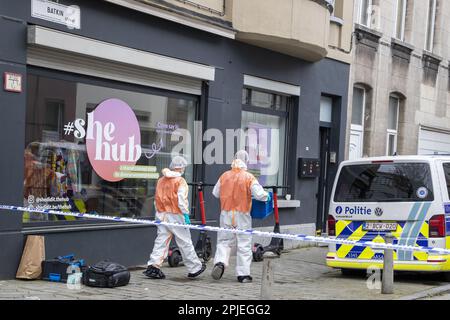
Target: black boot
{"x": 245, "y": 279}
{"x": 154, "y": 273}
{"x": 196, "y": 274}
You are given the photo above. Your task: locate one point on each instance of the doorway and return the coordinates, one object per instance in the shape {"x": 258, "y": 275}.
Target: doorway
{"x": 323, "y": 188}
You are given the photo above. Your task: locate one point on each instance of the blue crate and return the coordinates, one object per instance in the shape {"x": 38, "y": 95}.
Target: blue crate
{"x": 262, "y": 209}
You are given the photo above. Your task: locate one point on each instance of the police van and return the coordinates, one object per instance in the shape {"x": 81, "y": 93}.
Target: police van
{"x": 407, "y": 196}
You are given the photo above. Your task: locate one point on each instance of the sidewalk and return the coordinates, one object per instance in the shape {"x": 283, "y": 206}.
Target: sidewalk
{"x": 300, "y": 274}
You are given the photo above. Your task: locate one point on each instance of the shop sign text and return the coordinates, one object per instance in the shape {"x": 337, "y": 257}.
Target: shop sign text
{"x": 113, "y": 138}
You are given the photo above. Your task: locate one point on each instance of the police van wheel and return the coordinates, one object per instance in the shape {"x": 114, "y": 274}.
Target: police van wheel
{"x": 446, "y": 276}
{"x": 174, "y": 259}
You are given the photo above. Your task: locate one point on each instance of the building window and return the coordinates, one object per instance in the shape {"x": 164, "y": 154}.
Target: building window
{"x": 359, "y": 97}
{"x": 357, "y": 123}
{"x": 431, "y": 21}
{"x": 364, "y": 12}
{"x": 326, "y": 109}
{"x": 400, "y": 19}
{"x": 57, "y": 165}
{"x": 338, "y": 8}
{"x": 263, "y": 99}
{"x": 264, "y": 127}
{"x": 392, "y": 130}
{"x": 333, "y": 3}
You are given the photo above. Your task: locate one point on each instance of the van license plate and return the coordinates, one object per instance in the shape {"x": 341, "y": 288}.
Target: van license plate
{"x": 380, "y": 226}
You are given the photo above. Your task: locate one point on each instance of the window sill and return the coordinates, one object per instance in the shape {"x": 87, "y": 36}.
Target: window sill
{"x": 401, "y": 49}
{"x": 431, "y": 56}
{"x": 367, "y": 36}
{"x": 395, "y": 42}
{"x": 368, "y": 31}
{"x": 337, "y": 20}
{"x": 288, "y": 204}
{"x": 431, "y": 61}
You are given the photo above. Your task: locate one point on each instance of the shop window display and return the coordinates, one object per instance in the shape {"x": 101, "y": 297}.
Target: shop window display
{"x": 266, "y": 115}
{"x": 58, "y": 173}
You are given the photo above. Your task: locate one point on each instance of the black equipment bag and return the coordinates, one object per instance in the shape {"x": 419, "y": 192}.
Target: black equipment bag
{"x": 106, "y": 274}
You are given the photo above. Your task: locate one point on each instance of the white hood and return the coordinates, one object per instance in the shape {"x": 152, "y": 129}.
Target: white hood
{"x": 170, "y": 174}
{"x": 238, "y": 163}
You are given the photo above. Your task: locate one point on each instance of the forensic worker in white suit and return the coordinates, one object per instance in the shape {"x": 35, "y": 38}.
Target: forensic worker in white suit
{"x": 172, "y": 205}
{"x": 235, "y": 190}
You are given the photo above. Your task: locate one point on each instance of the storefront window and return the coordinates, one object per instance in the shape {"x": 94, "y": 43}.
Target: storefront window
{"x": 58, "y": 172}
{"x": 267, "y": 146}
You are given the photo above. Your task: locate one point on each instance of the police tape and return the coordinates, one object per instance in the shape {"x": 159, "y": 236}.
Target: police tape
{"x": 265, "y": 234}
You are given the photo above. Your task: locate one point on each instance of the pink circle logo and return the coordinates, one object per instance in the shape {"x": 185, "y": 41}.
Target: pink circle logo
{"x": 113, "y": 139}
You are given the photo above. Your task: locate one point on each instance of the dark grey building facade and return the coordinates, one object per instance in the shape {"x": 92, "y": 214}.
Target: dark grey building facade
{"x": 31, "y": 124}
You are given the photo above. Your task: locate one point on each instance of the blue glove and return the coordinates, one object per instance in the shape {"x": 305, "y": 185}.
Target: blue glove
{"x": 186, "y": 218}
{"x": 269, "y": 197}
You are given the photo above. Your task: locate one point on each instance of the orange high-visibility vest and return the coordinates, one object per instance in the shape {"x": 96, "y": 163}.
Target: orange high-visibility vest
{"x": 166, "y": 196}
{"x": 235, "y": 190}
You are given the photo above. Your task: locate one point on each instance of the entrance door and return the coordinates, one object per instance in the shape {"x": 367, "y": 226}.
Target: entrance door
{"x": 323, "y": 196}
{"x": 357, "y": 124}
{"x": 356, "y": 144}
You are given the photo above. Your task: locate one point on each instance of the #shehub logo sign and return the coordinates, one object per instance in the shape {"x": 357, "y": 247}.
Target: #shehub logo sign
{"x": 113, "y": 138}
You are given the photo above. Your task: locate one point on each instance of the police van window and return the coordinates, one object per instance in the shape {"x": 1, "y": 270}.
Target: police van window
{"x": 385, "y": 182}
{"x": 447, "y": 176}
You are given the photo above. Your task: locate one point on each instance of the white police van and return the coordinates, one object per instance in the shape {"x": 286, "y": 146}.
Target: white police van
{"x": 408, "y": 196}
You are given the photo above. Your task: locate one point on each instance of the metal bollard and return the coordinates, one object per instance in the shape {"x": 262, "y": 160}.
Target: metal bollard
{"x": 387, "y": 283}
{"x": 268, "y": 275}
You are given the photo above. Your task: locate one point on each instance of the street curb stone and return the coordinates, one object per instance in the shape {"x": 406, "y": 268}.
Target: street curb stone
{"x": 428, "y": 293}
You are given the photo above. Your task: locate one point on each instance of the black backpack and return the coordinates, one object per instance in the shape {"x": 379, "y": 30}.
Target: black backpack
{"x": 106, "y": 274}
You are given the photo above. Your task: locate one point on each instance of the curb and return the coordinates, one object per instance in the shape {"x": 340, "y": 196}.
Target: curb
{"x": 427, "y": 293}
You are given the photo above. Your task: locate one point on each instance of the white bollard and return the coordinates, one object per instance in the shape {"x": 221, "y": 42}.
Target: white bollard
{"x": 387, "y": 283}
{"x": 267, "y": 278}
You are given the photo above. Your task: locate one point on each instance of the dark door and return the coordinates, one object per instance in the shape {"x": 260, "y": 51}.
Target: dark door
{"x": 322, "y": 194}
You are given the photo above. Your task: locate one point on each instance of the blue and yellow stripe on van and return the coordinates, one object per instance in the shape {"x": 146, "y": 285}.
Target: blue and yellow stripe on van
{"x": 353, "y": 230}
{"x": 361, "y": 257}
{"x": 413, "y": 232}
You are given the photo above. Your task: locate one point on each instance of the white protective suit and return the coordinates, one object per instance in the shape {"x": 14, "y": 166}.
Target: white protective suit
{"x": 226, "y": 241}
{"x": 182, "y": 235}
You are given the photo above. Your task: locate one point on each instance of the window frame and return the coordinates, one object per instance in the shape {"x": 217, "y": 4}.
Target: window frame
{"x": 403, "y": 20}
{"x": 113, "y": 84}
{"x": 429, "y": 42}
{"x": 367, "y": 15}
{"x": 392, "y": 132}
{"x": 361, "y": 126}
{"x": 358, "y": 129}
{"x": 329, "y": 99}
{"x": 289, "y": 126}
